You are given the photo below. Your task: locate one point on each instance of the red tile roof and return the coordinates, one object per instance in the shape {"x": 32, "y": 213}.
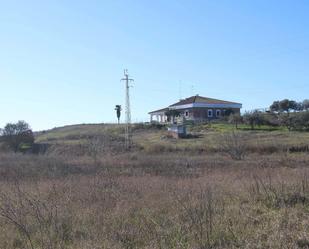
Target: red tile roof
{"x": 200, "y": 99}
{"x": 195, "y": 99}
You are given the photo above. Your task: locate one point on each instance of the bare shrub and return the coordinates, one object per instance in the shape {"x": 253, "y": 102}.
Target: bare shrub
{"x": 96, "y": 146}
{"x": 40, "y": 221}
{"x": 234, "y": 144}
{"x": 34, "y": 167}
{"x": 201, "y": 214}
{"x": 102, "y": 144}
{"x": 279, "y": 194}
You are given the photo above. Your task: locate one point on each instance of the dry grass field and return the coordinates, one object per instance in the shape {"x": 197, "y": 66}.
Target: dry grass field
{"x": 218, "y": 189}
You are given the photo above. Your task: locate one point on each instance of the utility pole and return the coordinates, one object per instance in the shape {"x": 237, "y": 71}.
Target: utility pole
{"x": 128, "y": 135}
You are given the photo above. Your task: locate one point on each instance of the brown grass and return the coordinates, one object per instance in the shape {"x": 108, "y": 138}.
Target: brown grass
{"x": 153, "y": 197}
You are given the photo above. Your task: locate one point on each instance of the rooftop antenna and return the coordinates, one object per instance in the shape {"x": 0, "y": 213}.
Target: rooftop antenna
{"x": 180, "y": 93}
{"x": 128, "y": 135}
{"x": 192, "y": 90}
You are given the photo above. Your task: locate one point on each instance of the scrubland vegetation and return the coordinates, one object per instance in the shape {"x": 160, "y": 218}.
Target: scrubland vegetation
{"x": 219, "y": 188}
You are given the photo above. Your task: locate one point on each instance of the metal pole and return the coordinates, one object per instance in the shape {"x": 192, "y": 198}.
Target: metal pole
{"x": 128, "y": 135}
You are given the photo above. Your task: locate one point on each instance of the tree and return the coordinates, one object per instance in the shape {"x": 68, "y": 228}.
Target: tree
{"x": 275, "y": 106}
{"x": 293, "y": 105}
{"x": 284, "y": 105}
{"x": 18, "y": 136}
{"x": 118, "y": 112}
{"x": 296, "y": 120}
{"x": 235, "y": 119}
{"x": 287, "y": 105}
{"x": 253, "y": 118}
{"x": 171, "y": 114}
{"x": 306, "y": 104}
{"x": 299, "y": 106}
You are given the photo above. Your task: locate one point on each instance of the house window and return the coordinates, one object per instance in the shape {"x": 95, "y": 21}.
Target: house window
{"x": 210, "y": 113}
{"x": 218, "y": 113}
{"x": 186, "y": 114}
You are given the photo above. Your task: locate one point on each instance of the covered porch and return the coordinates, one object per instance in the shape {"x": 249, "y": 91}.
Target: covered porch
{"x": 158, "y": 116}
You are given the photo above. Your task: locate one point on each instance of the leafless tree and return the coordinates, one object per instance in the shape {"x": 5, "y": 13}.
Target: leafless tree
{"x": 234, "y": 144}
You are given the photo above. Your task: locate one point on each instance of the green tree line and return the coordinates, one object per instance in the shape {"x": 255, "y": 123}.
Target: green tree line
{"x": 288, "y": 113}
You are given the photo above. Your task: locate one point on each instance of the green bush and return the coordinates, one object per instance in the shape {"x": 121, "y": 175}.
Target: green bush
{"x": 18, "y": 136}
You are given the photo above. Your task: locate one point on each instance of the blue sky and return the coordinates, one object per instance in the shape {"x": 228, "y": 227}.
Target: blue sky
{"x": 61, "y": 61}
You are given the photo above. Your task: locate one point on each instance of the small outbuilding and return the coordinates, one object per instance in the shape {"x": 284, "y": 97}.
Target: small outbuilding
{"x": 177, "y": 130}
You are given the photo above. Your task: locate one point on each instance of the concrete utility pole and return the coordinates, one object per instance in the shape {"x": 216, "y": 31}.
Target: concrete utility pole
{"x": 128, "y": 135}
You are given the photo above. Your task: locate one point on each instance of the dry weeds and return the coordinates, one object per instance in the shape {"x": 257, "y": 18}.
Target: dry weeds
{"x": 155, "y": 199}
